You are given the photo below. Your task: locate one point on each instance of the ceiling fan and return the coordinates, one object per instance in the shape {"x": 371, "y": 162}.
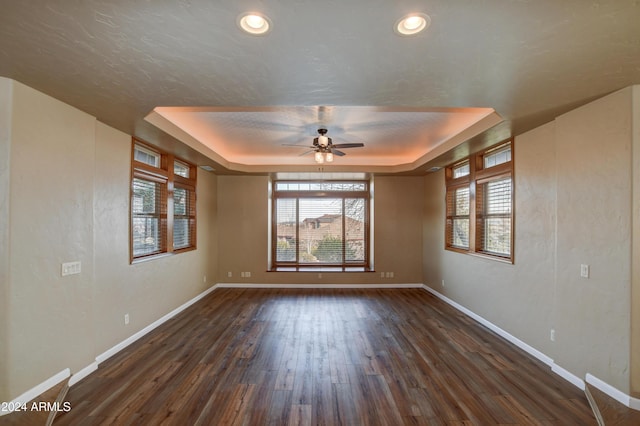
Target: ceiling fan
{"x": 325, "y": 149}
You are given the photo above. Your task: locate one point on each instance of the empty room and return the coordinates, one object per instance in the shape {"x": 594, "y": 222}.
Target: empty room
{"x": 337, "y": 213}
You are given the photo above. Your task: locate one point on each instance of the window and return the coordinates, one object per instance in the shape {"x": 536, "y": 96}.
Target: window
{"x": 479, "y": 204}
{"x": 320, "y": 224}
{"x": 163, "y": 203}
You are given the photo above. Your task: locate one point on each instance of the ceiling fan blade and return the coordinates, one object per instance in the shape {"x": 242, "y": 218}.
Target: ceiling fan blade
{"x": 349, "y": 145}
{"x": 337, "y": 152}
{"x": 297, "y": 145}
{"x": 306, "y": 152}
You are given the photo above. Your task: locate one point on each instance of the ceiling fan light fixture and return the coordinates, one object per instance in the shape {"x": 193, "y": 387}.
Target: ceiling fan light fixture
{"x": 323, "y": 140}
{"x": 319, "y": 157}
{"x": 254, "y": 23}
{"x": 412, "y": 24}
{"x": 329, "y": 157}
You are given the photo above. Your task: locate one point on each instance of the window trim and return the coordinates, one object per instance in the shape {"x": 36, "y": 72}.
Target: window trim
{"x": 164, "y": 174}
{"x": 365, "y": 265}
{"x": 479, "y": 175}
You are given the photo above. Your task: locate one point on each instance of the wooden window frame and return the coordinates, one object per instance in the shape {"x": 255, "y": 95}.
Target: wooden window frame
{"x": 164, "y": 175}
{"x": 297, "y": 265}
{"x": 479, "y": 175}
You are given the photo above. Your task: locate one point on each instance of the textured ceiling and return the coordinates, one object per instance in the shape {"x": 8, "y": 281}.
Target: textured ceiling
{"x": 120, "y": 59}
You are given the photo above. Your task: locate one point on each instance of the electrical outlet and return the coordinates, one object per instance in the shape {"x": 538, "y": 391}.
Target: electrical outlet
{"x": 584, "y": 271}
{"x": 229, "y": 274}
{"x": 442, "y": 283}
{"x": 552, "y": 335}
{"x": 247, "y": 274}
{"x": 204, "y": 279}
{"x": 126, "y": 319}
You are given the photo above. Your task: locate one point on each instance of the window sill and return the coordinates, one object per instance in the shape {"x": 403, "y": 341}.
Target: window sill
{"x": 320, "y": 269}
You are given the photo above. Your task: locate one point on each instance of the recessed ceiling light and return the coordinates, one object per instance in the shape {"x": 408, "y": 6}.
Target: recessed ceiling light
{"x": 254, "y": 23}
{"x": 412, "y": 24}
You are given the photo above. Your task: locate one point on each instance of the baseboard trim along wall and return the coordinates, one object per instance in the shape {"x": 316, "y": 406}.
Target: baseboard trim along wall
{"x": 614, "y": 393}
{"x": 126, "y": 342}
{"x": 35, "y": 391}
{"x": 262, "y": 285}
{"x": 81, "y": 374}
{"x": 76, "y": 377}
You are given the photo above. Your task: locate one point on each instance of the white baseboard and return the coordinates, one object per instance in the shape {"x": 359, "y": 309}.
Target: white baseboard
{"x": 75, "y": 378}
{"x": 37, "y": 390}
{"x": 126, "y": 342}
{"x": 614, "y": 393}
{"x": 500, "y": 332}
{"x": 568, "y": 376}
{"x": 318, "y": 285}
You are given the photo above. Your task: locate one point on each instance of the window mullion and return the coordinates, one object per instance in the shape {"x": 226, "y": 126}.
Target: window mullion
{"x": 472, "y": 205}
{"x": 170, "y": 203}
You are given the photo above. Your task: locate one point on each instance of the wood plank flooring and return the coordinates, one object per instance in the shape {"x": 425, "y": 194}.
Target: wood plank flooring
{"x": 611, "y": 411}
{"x": 323, "y": 357}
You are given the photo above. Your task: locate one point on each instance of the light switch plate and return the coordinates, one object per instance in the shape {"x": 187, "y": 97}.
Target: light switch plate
{"x": 71, "y": 268}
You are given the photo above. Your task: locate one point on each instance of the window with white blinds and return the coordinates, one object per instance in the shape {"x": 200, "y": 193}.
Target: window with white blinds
{"x": 163, "y": 203}
{"x": 479, "y": 203}
{"x": 320, "y": 224}
{"x": 148, "y": 220}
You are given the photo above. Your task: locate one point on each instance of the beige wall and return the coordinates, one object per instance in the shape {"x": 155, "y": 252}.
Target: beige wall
{"x": 69, "y": 198}
{"x": 243, "y": 240}
{"x": 573, "y": 206}
{"x": 64, "y": 181}
{"x": 635, "y": 259}
{"x": 594, "y": 227}
{"x": 5, "y": 306}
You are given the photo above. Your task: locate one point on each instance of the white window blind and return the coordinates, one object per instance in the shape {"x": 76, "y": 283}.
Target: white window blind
{"x": 321, "y": 223}
{"x": 495, "y": 216}
{"x": 148, "y": 221}
{"x": 458, "y": 217}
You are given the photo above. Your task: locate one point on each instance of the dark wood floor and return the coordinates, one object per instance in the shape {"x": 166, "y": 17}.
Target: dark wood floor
{"x": 611, "y": 411}
{"x": 330, "y": 356}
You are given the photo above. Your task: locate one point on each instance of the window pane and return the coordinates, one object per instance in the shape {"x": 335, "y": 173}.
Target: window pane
{"x": 146, "y": 230}
{"x": 462, "y": 202}
{"x": 497, "y": 235}
{"x": 181, "y": 169}
{"x": 460, "y": 237}
{"x": 499, "y": 156}
{"x": 355, "y": 229}
{"x": 147, "y": 156}
{"x": 286, "y": 223}
{"x": 146, "y": 195}
{"x": 498, "y": 195}
{"x": 181, "y": 218}
{"x": 461, "y": 170}
{"x": 146, "y": 235}
{"x": 320, "y": 230}
{"x": 321, "y": 186}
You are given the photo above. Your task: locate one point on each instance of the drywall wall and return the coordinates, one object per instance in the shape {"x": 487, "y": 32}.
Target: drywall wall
{"x": 243, "y": 240}
{"x": 69, "y": 192}
{"x": 593, "y": 145}
{"x": 6, "y": 101}
{"x": 573, "y": 206}
{"x": 635, "y": 259}
{"x": 51, "y": 222}
{"x": 146, "y": 290}
{"x": 519, "y": 297}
